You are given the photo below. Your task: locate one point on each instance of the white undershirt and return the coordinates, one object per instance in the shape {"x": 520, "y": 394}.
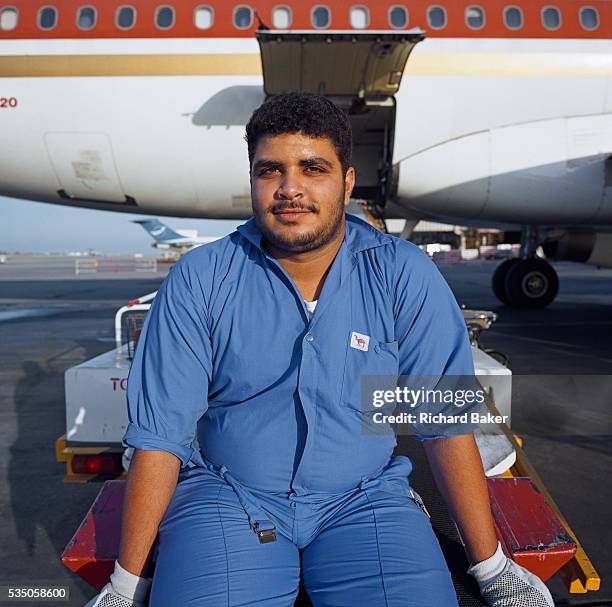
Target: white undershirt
{"x": 310, "y": 307}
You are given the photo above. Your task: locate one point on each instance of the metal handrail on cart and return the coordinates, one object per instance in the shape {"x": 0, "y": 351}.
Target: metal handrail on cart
{"x": 478, "y": 321}
{"x": 141, "y": 303}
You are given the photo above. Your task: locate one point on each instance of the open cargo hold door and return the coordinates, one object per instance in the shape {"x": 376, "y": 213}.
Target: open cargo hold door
{"x": 361, "y": 72}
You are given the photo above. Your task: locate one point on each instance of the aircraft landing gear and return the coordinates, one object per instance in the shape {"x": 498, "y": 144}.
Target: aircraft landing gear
{"x": 528, "y": 281}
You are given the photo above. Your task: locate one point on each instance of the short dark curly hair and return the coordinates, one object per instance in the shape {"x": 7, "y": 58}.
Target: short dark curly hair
{"x": 313, "y": 115}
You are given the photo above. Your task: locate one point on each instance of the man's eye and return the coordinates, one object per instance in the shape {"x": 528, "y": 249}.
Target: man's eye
{"x": 266, "y": 171}
{"x": 315, "y": 169}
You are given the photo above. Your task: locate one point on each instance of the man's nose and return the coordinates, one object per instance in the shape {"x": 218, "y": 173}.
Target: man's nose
{"x": 291, "y": 185}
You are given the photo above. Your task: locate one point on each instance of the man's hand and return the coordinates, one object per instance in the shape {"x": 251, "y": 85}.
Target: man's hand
{"x": 152, "y": 478}
{"x": 503, "y": 583}
{"x": 123, "y": 590}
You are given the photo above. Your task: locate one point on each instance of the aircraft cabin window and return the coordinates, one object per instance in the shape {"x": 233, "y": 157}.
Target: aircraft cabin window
{"x": 320, "y": 17}
{"x": 513, "y": 17}
{"x": 125, "y": 17}
{"x": 203, "y": 17}
{"x": 589, "y": 18}
{"x": 281, "y": 17}
{"x": 164, "y": 17}
{"x": 551, "y": 18}
{"x": 360, "y": 17}
{"x": 436, "y": 17}
{"x": 398, "y": 17}
{"x": 243, "y": 17}
{"x": 86, "y": 17}
{"x": 8, "y": 18}
{"x": 474, "y": 17}
{"x": 47, "y": 18}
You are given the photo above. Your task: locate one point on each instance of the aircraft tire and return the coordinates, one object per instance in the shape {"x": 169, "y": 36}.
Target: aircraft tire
{"x": 531, "y": 283}
{"x": 499, "y": 279}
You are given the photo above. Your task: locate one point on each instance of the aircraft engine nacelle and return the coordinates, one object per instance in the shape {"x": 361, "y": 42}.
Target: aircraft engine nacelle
{"x": 586, "y": 246}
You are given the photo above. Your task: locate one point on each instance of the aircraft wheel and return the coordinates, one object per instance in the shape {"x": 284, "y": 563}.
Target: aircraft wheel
{"x": 499, "y": 279}
{"x": 531, "y": 283}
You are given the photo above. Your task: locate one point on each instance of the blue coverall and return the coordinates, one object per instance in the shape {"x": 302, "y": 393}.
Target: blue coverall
{"x": 262, "y": 406}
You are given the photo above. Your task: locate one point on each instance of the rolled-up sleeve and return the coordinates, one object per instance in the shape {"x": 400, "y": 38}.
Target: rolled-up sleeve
{"x": 167, "y": 388}
{"x": 432, "y": 336}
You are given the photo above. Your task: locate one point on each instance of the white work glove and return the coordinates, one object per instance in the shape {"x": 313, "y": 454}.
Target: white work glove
{"x": 123, "y": 590}
{"x": 503, "y": 583}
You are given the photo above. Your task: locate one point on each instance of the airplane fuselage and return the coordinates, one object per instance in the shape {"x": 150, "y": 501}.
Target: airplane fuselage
{"x": 490, "y": 125}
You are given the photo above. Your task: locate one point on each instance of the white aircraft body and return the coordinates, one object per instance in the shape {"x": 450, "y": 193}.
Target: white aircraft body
{"x": 494, "y": 125}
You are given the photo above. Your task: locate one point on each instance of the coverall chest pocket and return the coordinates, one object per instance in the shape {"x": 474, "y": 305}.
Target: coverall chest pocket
{"x": 375, "y": 360}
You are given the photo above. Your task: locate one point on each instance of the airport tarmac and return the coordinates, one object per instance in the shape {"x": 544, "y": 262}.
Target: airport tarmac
{"x": 51, "y": 319}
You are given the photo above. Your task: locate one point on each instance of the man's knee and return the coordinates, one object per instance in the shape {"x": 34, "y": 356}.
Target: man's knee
{"x": 208, "y": 554}
{"x": 380, "y": 550}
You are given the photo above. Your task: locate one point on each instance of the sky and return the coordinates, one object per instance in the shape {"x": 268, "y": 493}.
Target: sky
{"x": 38, "y": 227}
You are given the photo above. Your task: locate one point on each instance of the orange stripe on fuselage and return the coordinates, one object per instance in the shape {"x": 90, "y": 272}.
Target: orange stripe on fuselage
{"x": 184, "y": 25}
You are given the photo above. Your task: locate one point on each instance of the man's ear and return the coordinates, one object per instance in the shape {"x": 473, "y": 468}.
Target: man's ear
{"x": 349, "y": 183}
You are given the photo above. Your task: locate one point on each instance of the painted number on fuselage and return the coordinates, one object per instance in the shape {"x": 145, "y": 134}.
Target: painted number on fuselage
{"x": 8, "y": 102}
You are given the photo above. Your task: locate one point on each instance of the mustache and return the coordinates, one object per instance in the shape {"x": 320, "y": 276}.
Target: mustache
{"x": 291, "y": 206}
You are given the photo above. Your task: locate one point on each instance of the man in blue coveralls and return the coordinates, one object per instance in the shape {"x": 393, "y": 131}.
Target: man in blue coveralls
{"x": 250, "y": 463}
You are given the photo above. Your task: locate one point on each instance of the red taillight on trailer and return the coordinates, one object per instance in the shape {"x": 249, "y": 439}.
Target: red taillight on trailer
{"x": 103, "y": 463}
{"x": 88, "y": 463}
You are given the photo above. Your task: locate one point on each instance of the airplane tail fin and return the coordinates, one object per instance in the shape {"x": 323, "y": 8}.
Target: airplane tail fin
{"x": 158, "y": 230}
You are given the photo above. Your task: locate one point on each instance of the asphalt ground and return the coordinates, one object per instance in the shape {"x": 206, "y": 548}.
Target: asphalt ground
{"x": 51, "y": 319}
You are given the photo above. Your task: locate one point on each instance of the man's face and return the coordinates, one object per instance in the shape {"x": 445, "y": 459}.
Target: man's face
{"x": 298, "y": 190}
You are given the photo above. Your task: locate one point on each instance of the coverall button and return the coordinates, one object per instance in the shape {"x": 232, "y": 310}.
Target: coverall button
{"x": 309, "y": 337}
{"x": 377, "y": 349}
